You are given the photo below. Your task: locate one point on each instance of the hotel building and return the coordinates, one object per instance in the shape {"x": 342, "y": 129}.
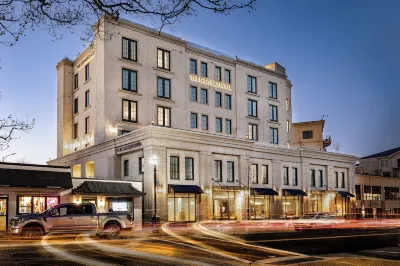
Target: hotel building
{"x": 207, "y": 135}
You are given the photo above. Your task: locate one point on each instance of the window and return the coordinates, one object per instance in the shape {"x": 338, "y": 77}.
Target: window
{"x": 129, "y": 80}
{"x": 264, "y": 174}
{"x": 227, "y": 77}
{"x": 391, "y": 193}
{"x": 218, "y": 73}
{"x": 231, "y": 171}
{"x": 87, "y": 73}
{"x": 123, "y": 132}
{"x": 254, "y": 173}
{"x": 321, "y": 178}
{"x": 163, "y": 59}
{"x": 193, "y": 94}
{"x": 252, "y": 108}
{"x": 204, "y": 96}
{"x": 273, "y": 113}
{"x": 29, "y": 204}
{"x": 164, "y": 116}
{"x": 126, "y": 167}
{"x": 141, "y": 165}
{"x": 129, "y": 111}
{"x": 273, "y": 135}
{"x": 203, "y": 69}
{"x": 287, "y": 104}
{"x": 228, "y": 101}
{"x": 336, "y": 179}
{"x": 174, "y": 167}
{"x": 218, "y": 124}
{"x": 286, "y": 176}
{"x": 189, "y": 168}
{"x": 312, "y": 179}
{"x": 204, "y": 122}
{"x": 358, "y": 192}
{"x": 129, "y": 49}
{"x": 87, "y": 125}
{"x": 218, "y": 99}
{"x": 193, "y": 66}
{"x": 193, "y": 120}
{"x": 163, "y": 88}
{"x": 76, "y": 81}
{"x": 75, "y": 130}
{"x": 372, "y": 192}
{"x": 87, "y": 98}
{"x": 251, "y": 84}
{"x": 307, "y": 134}
{"x": 76, "y": 109}
{"x": 295, "y": 179}
{"x": 272, "y": 90}
{"x": 384, "y": 163}
{"x": 343, "y": 181}
{"x": 287, "y": 125}
{"x": 228, "y": 126}
{"x": 253, "y": 132}
{"x": 218, "y": 170}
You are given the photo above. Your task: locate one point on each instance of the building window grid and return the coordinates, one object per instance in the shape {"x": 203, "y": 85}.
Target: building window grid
{"x": 174, "y": 167}
{"x": 295, "y": 176}
{"x": 343, "y": 180}
{"x": 251, "y": 84}
{"x": 193, "y": 66}
{"x": 76, "y": 80}
{"x": 273, "y": 113}
{"x": 218, "y": 124}
{"x": 164, "y": 116}
{"x": 87, "y": 125}
{"x": 372, "y": 192}
{"x": 189, "y": 168}
{"x": 218, "y": 99}
{"x": 264, "y": 173}
{"x": 230, "y": 171}
{"x": 204, "y": 69}
{"x": 273, "y": 135}
{"x": 76, "y": 106}
{"x": 204, "y": 122}
{"x": 273, "y": 92}
{"x": 228, "y": 101}
{"x": 392, "y": 193}
{"x": 129, "y": 80}
{"x": 320, "y": 178}
{"x": 129, "y": 110}
{"x": 75, "y": 133}
{"x": 308, "y": 134}
{"x": 163, "y": 88}
{"x": 218, "y": 74}
{"x": 87, "y": 72}
{"x": 204, "y": 96}
{"x": 87, "y": 98}
{"x": 312, "y": 178}
{"x": 126, "y": 167}
{"x": 141, "y": 165}
{"x": 254, "y": 173}
{"x": 228, "y": 126}
{"x": 193, "y": 94}
{"x": 227, "y": 76}
{"x": 253, "y": 132}
{"x": 286, "y": 176}
{"x": 163, "y": 59}
{"x": 336, "y": 179}
{"x": 129, "y": 49}
{"x": 252, "y": 108}
{"x": 193, "y": 120}
{"x": 218, "y": 170}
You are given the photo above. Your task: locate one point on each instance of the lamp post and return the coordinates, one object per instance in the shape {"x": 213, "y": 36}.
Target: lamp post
{"x": 154, "y": 162}
{"x": 248, "y": 198}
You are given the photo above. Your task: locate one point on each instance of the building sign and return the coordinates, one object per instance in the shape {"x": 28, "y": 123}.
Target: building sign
{"x": 210, "y": 82}
{"x": 129, "y": 146}
{"x": 226, "y": 188}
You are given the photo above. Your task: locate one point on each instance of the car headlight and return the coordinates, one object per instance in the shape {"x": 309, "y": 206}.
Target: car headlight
{"x": 15, "y": 221}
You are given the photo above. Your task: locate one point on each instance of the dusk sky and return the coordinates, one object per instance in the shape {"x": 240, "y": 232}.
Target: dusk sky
{"x": 342, "y": 58}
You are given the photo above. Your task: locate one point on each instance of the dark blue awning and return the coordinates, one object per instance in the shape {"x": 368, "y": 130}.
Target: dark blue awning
{"x": 295, "y": 192}
{"x": 265, "y": 191}
{"x": 186, "y": 189}
{"x": 346, "y": 194}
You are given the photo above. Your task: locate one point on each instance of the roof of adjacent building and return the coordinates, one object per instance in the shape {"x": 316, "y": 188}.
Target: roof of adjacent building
{"x": 383, "y": 153}
{"x": 107, "y": 188}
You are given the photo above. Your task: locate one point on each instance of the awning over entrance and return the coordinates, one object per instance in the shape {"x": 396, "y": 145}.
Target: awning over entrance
{"x": 36, "y": 179}
{"x": 265, "y": 191}
{"x": 107, "y": 189}
{"x": 295, "y": 192}
{"x": 346, "y": 194}
{"x": 186, "y": 189}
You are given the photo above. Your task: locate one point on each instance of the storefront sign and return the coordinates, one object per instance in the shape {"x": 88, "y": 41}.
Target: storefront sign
{"x": 129, "y": 146}
{"x": 210, "y": 82}
{"x": 226, "y": 188}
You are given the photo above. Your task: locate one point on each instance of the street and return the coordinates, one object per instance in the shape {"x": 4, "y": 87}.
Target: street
{"x": 214, "y": 243}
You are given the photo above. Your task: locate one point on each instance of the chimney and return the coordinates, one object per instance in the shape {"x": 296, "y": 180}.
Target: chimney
{"x": 277, "y": 68}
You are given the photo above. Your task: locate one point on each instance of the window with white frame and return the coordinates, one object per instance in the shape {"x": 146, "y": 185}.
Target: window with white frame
{"x": 228, "y": 126}
{"x": 218, "y": 99}
{"x": 218, "y": 73}
{"x": 227, "y": 76}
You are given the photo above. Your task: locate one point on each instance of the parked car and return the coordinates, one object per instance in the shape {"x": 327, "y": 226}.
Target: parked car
{"x": 313, "y": 221}
{"x": 70, "y": 217}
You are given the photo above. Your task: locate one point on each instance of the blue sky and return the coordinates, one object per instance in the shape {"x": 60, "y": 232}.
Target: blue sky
{"x": 342, "y": 57}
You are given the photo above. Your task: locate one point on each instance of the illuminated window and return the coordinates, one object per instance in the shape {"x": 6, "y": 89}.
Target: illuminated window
{"x": 163, "y": 59}
{"x": 76, "y": 170}
{"x": 164, "y": 116}
{"x": 129, "y": 111}
{"x": 129, "y": 49}
{"x": 253, "y": 132}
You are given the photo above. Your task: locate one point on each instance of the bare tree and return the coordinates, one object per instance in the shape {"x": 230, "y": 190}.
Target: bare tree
{"x": 17, "y": 16}
{"x": 336, "y": 147}
{"x": 9, "y": 126}
{"x": 22, "y": 160}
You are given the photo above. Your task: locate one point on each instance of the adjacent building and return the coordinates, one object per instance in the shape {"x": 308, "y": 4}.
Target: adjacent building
{"x": 377, "y": 185}
{"x": 207, "y": 135}
{"x": 310, "y": 135}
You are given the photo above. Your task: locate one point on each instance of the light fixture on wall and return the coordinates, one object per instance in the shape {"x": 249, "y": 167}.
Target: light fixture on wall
{"x": 101, "y": 203}
{"x": 247, "y": 136}
{"x": 77, "y": 201}
{"x": 152, "y": 122}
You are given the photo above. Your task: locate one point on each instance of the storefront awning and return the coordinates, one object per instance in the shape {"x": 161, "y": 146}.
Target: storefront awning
{"x": 295, "y": 192}
{"x": 10, "y": 177}
{"x": 186, "y": 189}
{"x": 107, "y": 189}
{"x": 266, "y": 191}
{"x": 346, "y": 194}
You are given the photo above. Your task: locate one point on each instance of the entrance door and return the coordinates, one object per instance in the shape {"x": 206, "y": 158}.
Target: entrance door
{"x": 3, "y": 213}
{"x": 224, "y": 209}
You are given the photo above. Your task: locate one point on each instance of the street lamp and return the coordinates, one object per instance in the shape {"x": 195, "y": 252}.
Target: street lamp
{"x": 154, "y": 161}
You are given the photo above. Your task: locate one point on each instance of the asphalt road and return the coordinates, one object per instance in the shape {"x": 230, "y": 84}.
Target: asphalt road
{"x": 202, "y": 245}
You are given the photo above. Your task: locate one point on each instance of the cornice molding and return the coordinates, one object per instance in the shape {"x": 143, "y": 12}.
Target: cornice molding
{"x": 65, "y": 61}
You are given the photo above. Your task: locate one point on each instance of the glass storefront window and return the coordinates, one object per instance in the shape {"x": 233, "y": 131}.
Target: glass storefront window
{"x": 119, "y": 205}
{"x": 224, "y": 205}
{"x": 25, "y": 205}
{"x": 290, "y": 206}
{"x": 314, "y": 203}
{"x": 181, "y": 207}
{"x": 51, "y": 202}
{"x": 259, "y": 206}
{"x": 39, "y": 204}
